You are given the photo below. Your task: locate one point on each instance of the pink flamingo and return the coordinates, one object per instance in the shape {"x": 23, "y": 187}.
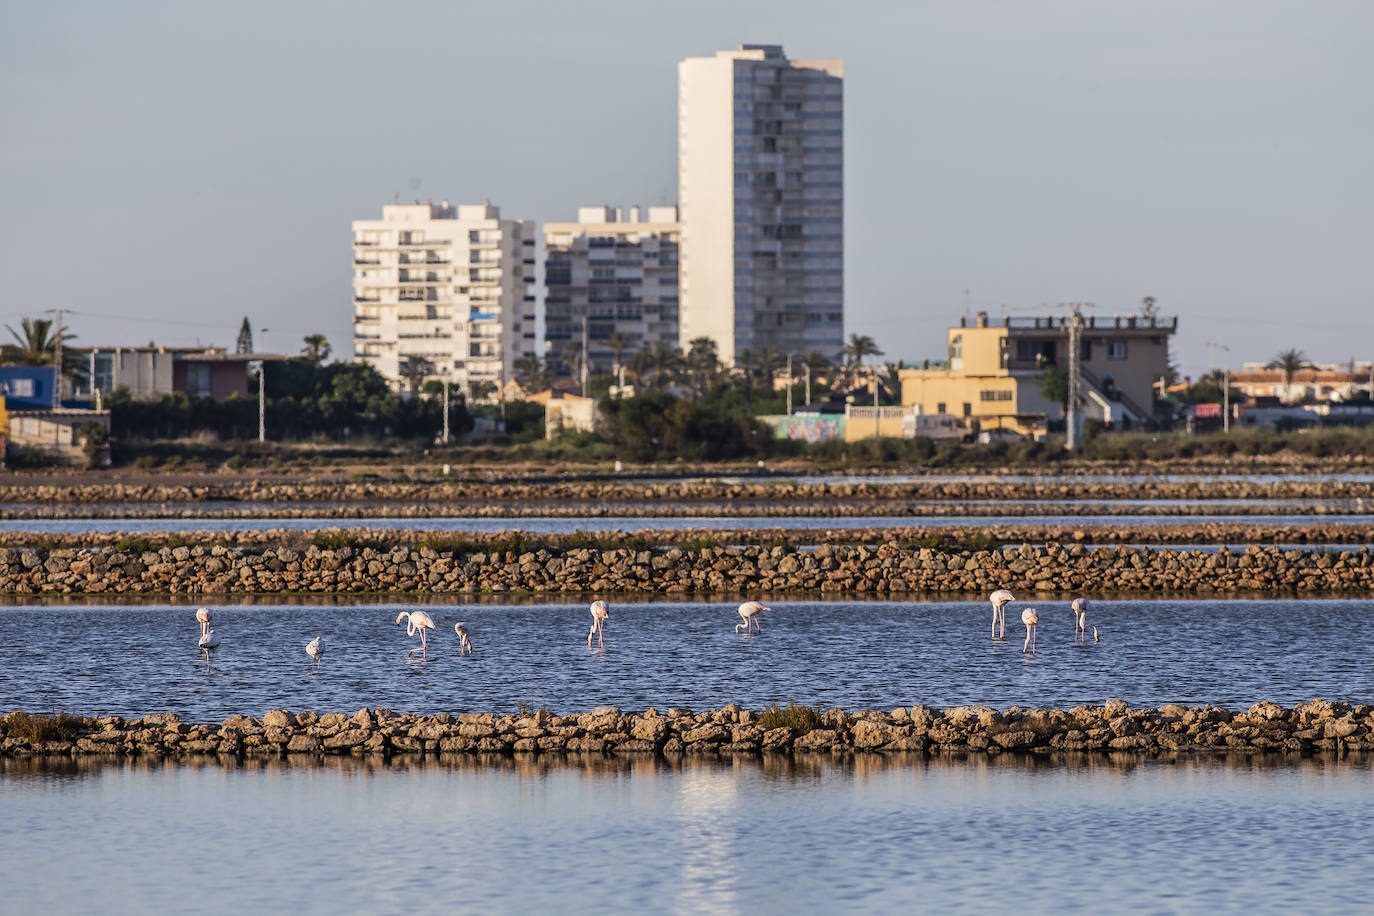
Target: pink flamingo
{"x": 1000, "y": 599}
{"x": 1030, "y": 619}
{"x": 599, "y": 614}
{"x": 315, "y": 649}
{"x": 203, "y": 616}
{"x": 464, "y": 647}
{"x": 208, "y": 643}
{"x": 416, "y": 620}
{"x": 749, "y": 610}
{"x": 1080, "y": 625}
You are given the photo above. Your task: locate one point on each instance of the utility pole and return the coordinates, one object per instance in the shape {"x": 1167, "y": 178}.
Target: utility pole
{"x": 789, "y": 386}
{"x": 57, "y": 349}
{"x": 584, "y": 354}
{"x": 877, "y": 430}
{"x": 1225, "y": 383}
{"x": 262, "y": 392}
{"x": 446, "y": 411}
{"x": 1073, "y": 419}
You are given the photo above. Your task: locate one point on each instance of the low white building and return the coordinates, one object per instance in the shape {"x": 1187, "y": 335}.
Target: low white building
{"x": 446, "y": 285}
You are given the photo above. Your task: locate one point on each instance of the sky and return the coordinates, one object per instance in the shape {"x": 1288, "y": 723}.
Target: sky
{"x": 168, "y": 168}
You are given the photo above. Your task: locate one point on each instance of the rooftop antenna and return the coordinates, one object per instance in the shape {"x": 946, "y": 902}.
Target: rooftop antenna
{"x": 967, "y": 305}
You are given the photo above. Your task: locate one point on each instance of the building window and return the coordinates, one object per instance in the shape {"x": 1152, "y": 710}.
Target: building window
{"x": 968, "y": 409}
{"x": 994, "y": 395}
{"x": 198, "y": 380}
{"x": 1116, "y": 349}
{"x": 940, "y": 407}
{"x": 21, "y": 387}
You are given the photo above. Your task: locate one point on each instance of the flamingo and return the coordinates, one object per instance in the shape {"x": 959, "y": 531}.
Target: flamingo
{"x": 208, "y": 643}
{"x": 1000, "y": 599}
{"x": 416, "y": 620}
{"x": 1080, "y": 626}
{"x": 749, "y": 610}
{"x": 599, "y": 614}
{"x": 203, "y": 616}
{"x": 315, "y": 649}
{"x": 464, "y": 647}
{"x": 1094, "y": 634}
{"x": 1030, "y": 619}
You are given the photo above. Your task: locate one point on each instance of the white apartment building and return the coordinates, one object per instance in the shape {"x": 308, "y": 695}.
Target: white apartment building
{"x": 761, "y": 190}
{"x": 447, "y": 285}
{"x": 605, "y": 275}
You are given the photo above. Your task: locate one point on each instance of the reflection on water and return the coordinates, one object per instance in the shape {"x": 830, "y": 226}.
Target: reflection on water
{"x": 978, "y": 835}
{"x": 98, "y": 659}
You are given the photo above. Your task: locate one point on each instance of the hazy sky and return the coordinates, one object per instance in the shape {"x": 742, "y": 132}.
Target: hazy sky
{"x": 168, "y": 168}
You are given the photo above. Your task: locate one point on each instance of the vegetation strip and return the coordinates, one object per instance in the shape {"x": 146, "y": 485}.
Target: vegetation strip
{"x": 1113, "y": 727}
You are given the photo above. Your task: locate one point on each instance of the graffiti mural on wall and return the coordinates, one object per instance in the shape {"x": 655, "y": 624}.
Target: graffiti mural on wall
{"x": 807, "y": 427}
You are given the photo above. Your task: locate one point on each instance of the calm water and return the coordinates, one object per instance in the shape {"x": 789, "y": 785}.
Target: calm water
{"x": 868, "y": 836}
{"x": 658, "y": 523}
{"x": 94, "y": 659}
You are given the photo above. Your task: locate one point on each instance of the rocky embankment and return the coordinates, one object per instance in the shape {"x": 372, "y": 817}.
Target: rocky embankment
{"x": 1264, "y": 727}
{"x": 884, "y": 569}
{"x": 442, "y": 489}
{"x": 441, "y": 497}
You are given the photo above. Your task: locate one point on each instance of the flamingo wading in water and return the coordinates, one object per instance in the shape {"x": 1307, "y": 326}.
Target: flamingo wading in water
{"x": 1000, "y": 599}
{"x": 315, "y": 649}
{"x": 749, "y": 610}
{"x": 416, "y": 621}
{"x": 208, "y": 643}
{"x": 464, "y": 647}
{"x": 203, "y": 618}
{"x": 600, "y": 611}
{"x": 1030, "y": 619}
{"x": 1080, "y": 617}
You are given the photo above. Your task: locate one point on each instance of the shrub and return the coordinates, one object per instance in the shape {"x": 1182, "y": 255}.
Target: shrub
{"x": 801, "y": 719}
{"x": 57, "y": 727}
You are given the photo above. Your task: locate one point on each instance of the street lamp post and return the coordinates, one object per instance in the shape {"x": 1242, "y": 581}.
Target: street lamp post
{"x": 262, "y": 392}
{"x": 1225, "y": 384}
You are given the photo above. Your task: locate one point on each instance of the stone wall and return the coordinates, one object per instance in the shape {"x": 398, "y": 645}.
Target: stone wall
{"x": 886, "y": 569}
{"x": 1112, "y": 727}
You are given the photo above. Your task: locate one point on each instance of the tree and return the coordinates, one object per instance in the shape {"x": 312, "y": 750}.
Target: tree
{"x": 532, "y": 372}
{"x": 663, "y": 359}
{"x": 414, "y": 370}
{"x": 571, "y": 355}
{"x": 1054, "y": 385}
{"x": 859, "y": 348}
{"x": 35, "y": 344}
{"x": 1290, "y": 363}
{"x": 1148, "y": 309}
{"x": 316, "y": 348}
{"x": 890, "y": 382}
{"x": 245, "y": 342}
{"x": 702, "y": 365}
{"x": 618, "y": 342}
{"x": 482, "y": 389}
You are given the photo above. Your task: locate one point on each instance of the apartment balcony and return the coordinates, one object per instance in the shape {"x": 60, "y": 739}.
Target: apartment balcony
{"x": 367, "y": 300}
{"x": 372, "y": 262}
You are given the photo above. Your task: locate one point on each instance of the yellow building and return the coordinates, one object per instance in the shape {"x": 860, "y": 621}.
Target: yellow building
{"x": 994, "y": 371}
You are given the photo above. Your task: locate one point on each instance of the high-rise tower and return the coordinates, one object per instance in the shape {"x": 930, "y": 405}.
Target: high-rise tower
{"x": 761, "y": 192}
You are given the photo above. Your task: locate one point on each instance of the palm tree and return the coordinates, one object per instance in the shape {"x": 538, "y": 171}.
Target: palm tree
{"x": 702, "y": 363}
{"x": 571, "y": 355}
{"x": 532, "y": 372}
{"x": 482, "y": 389}
{"x": 890, "y": 381}
{"x": 618, "y": 342}
{"x": 36, "y": 345}
{"x": 414, "y": 370}
{"x": 1290, "y": 363}
{"x": 859, "y": 348}
{"x": 664, "y": 359}
{"x": 316, "y": 349}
